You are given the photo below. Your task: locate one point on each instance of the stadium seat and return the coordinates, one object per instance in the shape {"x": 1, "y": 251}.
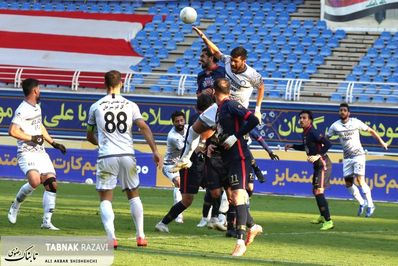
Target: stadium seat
{"x": 312, "y": 50}
{"x": 327, "y": 34}
{"x": 378, "y": 99}
{"x": 305, "y": 59}
{"x": 291, "y": 58}
{"x": 363, "y": 99}
{"x": 336, "y": 97}
{"x": 385, "y": 35}
{"x": 340, "y": 34}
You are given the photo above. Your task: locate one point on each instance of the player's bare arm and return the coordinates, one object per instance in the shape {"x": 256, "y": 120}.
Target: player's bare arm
{"x": 15, "y": 131}
{"x": 90, "y": 135}
{"x": 378, "y": 138}
{"x": 260, "y": 96}
{"x": 213, "y": 48}
{"x": 147, "y": 133}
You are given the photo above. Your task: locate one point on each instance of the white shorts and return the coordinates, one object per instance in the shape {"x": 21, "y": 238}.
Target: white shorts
{"x": 354, "y": 166}
{"x": 110, "y": 169}
{"x": 38, "y": 161}
{"x": 166, "y": 171}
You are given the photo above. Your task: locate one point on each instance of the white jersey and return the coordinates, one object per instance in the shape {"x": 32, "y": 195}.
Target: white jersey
{"x": 28, "y": 118}
{"x": 242, "y": 84}
{"x": 175, "y": 144}
{"x": 208, "y": 117}
{"x": 113, "y": 115}
{"x": 349, "y": 136}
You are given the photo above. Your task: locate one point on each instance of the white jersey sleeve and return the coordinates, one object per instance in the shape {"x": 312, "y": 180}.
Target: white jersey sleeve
{"x": 175, "y": 144}
{"x": 208, "y": 117}
{"x": 29, "y": 118}
{"x": 361, "y": 125}
{"x": 114, "y": 116}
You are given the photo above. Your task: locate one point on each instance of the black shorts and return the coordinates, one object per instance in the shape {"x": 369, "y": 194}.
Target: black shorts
{"x": 192, "y": 178}
{"x": 239, "y": 174}
{"x": 216, "y": 173}
{"x": 322, "y": 173}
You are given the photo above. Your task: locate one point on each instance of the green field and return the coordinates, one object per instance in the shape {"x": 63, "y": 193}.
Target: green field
{"x": 288, "y": 237}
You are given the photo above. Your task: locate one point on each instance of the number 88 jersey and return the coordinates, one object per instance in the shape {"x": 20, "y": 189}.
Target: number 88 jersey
{"x": 113, "y": 115}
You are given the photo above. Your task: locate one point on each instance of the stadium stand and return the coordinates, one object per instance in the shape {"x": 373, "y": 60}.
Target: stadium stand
{"x": 287, "y": 43}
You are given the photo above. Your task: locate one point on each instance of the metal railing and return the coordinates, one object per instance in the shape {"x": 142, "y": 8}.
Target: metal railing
{"x": 183, "y": 84}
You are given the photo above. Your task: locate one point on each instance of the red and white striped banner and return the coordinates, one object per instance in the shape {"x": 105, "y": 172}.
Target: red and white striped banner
{"x": 69, "y": 40}
{"x": 346, "y": 10}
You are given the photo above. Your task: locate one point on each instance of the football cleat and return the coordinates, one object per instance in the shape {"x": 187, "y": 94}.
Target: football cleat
{"x": 179, "y": 219}
{"x": 319, "y": 220}
{"x": 141, "y": 242}
{"x": 161, "y": 227}
{"x": 327, "y": 225}
{"x": 252, "y": 233}
{"x": 49, "y": 226}
{"x": 115, "y": 244}
{"x": 202, "y": 223}
{"x": 361, "y": 209}
{"x": 181, "y": 164}
{"x": 370, "y": 211}
{"x": 13, "y": 213}
{"x": 211, "y": 224}
{"x": 239, "y": 249}
{"x": 231, "y": 233}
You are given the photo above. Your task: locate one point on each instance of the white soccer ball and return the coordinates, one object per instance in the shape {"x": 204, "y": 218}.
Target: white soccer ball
{"x": 89, "y": 181}
{"x": 188, "y": 15}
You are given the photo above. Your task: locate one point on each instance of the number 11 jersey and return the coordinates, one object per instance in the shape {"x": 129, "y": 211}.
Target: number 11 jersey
{"x": 113, "y": 115}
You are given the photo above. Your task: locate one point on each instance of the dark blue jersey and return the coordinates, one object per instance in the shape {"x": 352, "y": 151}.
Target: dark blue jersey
{"x": 234, "y": 119}
{"x": 314, "y": 142}
{"x": 206, "y": 78}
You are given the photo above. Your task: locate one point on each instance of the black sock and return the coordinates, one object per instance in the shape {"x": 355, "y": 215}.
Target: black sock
{"x": 173, "y": 212}
{"x": 207, "y": 201}
{"x": 241, "y": 219}
{"x": 250, "y": 220}
{"x": 323, "y": 206}
{"x": 216, "y": 206}
{"x": 231, "y": 214}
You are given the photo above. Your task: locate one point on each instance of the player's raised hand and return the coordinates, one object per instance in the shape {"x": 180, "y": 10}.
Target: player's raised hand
{"x": 198, "y": 31}
{"x": 384, "y": 145}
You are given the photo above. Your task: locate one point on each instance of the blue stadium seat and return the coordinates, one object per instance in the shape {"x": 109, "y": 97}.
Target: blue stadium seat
{"x": 297, "y": 68}
{"x": 325, "y": 51}
{"x": 171, "y": 45}
{"x": 333, "y": 42}
{"x": 327, "y": 34}
{"x": 385, "y": 53}
{"x": 385, "y": 35}
{"x": 371, "y": 71}
{"x": 365, "y": 61}
{"x": 336, "y": 97}
{"x": 295, "y": 23}
{"x": 378, "y": 99}
{"x": 163, "y": 53}
{"x": 314, "y": 32}
{"x": 357, "y": 70}
{"x": 363, "y": 99}
{"x": 291, "y": 7}
{"x": 310, "y": 69}
{"x": 299, "y": 50}
{"x": 270, "y": 67}
{"x": 286, "y": 50}
{"x": 154, "y": 89}
{"x": 280, "y": 40}
{"x": 291, "y": 58}
{"x": 372, "y": 53}
{"x": 385, "y": 72}
{"x": 392, "y": 100}
{"x": 306, "y": 41}
{"x": 284, "y": 67}
{"x": 318, "y": 60}
{"x": 265, "y": 57}
{"x": 278, "y": 58}
{"x": 378, "y": 44}
{"x": 308, "y": 24}
{"x": 301, "y": 32}
{"x": 294, "y": 40}
{"x": 340, "y": 34}
{"x": 320, "y": 42}
{"x": 321, "y": 25}
{"x": 312, "y": 50}
{"x": 305, "y": 59}
{"x": 288, "y": 32}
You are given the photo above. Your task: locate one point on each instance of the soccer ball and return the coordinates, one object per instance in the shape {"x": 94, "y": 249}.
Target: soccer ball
{"x": 188, "y": 15}
{"x": 89, "y": 181}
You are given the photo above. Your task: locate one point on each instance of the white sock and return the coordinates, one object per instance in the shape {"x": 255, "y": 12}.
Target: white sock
{"x": 137, "y": 212}
{"x": 107, "y": 217}
{"x": 23, "y": 192}
{"x": 48, "y": 205}
{"x": 368, "y": 194}
{"x": 177, "y": 197}
{"x": 224, "y": 205}
{"x": 356, "y": 194}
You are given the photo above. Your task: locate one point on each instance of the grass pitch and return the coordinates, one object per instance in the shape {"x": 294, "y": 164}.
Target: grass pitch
{"x": 288, "y": 239}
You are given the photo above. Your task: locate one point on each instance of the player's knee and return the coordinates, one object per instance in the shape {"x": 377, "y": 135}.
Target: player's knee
{"x": 187, "y": 200}
{"x": 215, "y": 193}
{"x": 50, "y": 184}
{"x": 318, "y": 191}
{"x": 349, "y": 181}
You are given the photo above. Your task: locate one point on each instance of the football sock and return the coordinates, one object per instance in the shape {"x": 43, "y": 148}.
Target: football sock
{"x": 323, "y": 206}
{"x": 23, "y": 192}
{"x": 224, "y": 205}
{"x": 241, "y": 219}
{"x": 107, "y": 217}
{"x": 48, "y": 205}
{"x": 176, "y": 195}
{"x": 231, "y": 214}
{"x": 137, "y": 212}
{"x": 207, "y": 201}
{"x": 173, "y": 212}
{"x": 250, "y": 220}
{"x": 354, "y": 191}
{"x": 368, "y": 194}
{"x": 216, "y": 206}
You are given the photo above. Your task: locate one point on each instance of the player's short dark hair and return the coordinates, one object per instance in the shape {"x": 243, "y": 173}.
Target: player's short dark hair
{"x": 345, "y": 105}
{"x": 112, "y": 79}
{"x": 309, "y": 113}
{"x": 239, "y": 51}
{"x": 222, "y": 85}
{"x": 210, "y": 54}
{"x": 176, "y": 114}
{"x": 28, "y": 85}
{"x": 204, "y": 101}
